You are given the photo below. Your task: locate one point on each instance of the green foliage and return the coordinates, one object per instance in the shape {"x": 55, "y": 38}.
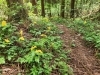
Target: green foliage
{"x": 58, "y": 20}
{"x": 38, "y": 47}
{"x": 3, "y": 9}
{"x": 39, "y": 52}
{"x": 2, "y": 60}
{"x": 64, "y": 68}
{"x": 90, "y": 31}
{"x": 6, "y": 40}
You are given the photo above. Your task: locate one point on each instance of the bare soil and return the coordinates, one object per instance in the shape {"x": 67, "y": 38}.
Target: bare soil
{"x": 83, "y": 60}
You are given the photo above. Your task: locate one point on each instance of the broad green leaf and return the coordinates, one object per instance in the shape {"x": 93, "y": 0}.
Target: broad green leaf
{"x": 1, "y": 45}
{"x": 2, "y": 60}
{"x": 37, "y": 59}
{"x": 9, "y": 57}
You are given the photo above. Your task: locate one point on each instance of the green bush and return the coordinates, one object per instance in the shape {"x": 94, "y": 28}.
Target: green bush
{"x": 38, "y": 51}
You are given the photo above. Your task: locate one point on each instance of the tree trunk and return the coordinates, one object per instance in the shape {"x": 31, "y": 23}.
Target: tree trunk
{"x": 49, "y": 7}
{"x": 34, "y": 3}
{"x": 62, "y": 8}
{"x": 21, "y": 13}
{"x": 42, "y": 8}
{"x": 72, "y": 9}
{"x": 76, "y": 9}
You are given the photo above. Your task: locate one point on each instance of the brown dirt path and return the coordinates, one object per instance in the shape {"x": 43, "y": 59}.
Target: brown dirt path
{"x": 83, "y": 60}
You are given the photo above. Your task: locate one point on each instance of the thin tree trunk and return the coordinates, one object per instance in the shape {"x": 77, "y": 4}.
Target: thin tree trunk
{"x": 76, "y": 9}
{"x": 72, "y": 9}
{"x": 49, "y": 8}
{"x": 42, "y": 8}
{"x": 21, "y": 12}
{"x": 62, "y": 12}
{"x": 34, "y": 3}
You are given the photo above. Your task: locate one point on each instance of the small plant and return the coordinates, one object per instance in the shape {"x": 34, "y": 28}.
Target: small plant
{"x": 64, "y": 68}
{"x": 39, "y": 53}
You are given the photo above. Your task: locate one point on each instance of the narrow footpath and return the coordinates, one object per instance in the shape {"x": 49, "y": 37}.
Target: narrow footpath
{"x": 83, "y": 60}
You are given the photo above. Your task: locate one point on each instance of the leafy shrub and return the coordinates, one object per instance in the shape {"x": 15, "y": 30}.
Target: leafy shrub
{"x": 38, "y": 52}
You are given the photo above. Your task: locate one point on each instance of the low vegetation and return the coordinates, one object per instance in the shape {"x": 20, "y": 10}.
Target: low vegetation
{"x": 39, "y": 48}
{"x": 30, "y": 38}
{"x": 90, "y": 30}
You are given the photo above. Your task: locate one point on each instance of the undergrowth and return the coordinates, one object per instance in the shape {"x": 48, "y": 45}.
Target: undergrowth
{"x": 90, "y": 30}
{"x": 38, "y": 47}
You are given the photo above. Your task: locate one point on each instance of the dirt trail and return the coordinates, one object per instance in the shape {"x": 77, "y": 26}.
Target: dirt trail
{"x": 82, "y": 60}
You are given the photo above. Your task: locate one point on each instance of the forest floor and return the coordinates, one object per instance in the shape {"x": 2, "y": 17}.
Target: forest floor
{"x": 82, "y": 58}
